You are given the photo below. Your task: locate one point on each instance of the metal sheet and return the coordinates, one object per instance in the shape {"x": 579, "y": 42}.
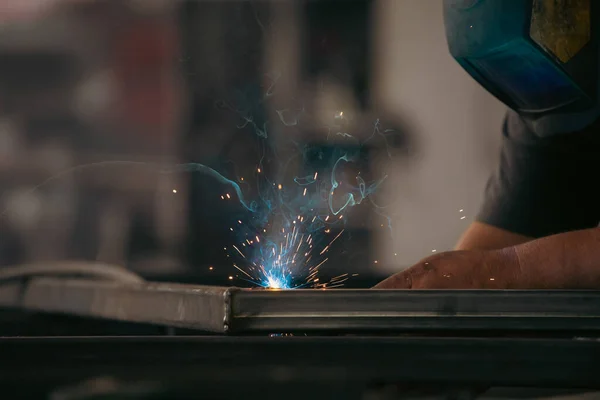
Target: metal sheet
{"x": 232, "y": 310}
{"x": 204, "y": 308}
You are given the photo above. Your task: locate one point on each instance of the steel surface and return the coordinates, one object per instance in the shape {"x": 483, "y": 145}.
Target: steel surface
{"x": 204, "y": 308}
{"x": 406, "y": 310}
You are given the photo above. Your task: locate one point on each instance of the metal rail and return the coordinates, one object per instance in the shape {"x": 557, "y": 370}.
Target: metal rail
{"x": 233, "y": 310}
{"x": 408, "y": 310}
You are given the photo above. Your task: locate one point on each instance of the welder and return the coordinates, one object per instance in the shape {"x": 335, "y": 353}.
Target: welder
{"x": 538, "y": 225}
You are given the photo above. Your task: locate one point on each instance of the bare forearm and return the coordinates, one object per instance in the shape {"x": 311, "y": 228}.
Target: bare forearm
{"x": 568, "y": 260}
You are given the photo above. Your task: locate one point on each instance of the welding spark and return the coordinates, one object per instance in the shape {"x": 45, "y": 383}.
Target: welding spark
{"x": 276, "y": 259}
{"x": 288, "y": 263}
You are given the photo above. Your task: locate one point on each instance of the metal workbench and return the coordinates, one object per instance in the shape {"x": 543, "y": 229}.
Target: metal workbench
{"x": 303, "y": 367}
{"x": 344, "y": 342}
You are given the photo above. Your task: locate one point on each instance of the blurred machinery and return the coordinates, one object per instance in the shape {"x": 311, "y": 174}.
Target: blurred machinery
{"x": 100, "y": 82}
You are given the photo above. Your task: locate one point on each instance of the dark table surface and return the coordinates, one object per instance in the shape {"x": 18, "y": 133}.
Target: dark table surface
{"x": 299, "y": 366}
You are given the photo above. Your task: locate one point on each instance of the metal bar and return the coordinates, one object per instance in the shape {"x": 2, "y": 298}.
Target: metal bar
{"x": 263, "y": 360}
{"x": 222, "y": 310}
{"x": 406, "y": 310}
{"x": 204, "y": 308}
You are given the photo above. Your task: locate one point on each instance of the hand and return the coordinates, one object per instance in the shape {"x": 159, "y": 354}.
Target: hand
{"x": 460, "y": 270}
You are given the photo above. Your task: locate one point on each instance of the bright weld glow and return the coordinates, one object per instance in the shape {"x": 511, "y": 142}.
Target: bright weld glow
{"x": 277, "y": 283}
{"x": 276, "y": 265}
{"x": 228, "y": 196}
{"x": 174, "y": 190}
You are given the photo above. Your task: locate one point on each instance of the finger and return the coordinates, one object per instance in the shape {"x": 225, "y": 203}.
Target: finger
{"x": 401, "y": 280}
{"x": 410, "y": 278}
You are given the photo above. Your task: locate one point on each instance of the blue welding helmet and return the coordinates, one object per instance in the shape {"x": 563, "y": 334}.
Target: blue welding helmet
{"x": 539, "y": 57}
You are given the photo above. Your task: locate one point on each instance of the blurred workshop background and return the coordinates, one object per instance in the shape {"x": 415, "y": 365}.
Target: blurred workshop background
{"x": 148, "y": 81}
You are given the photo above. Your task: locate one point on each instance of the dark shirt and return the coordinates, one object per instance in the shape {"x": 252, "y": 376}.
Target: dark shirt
{"x": 544, "y": 185}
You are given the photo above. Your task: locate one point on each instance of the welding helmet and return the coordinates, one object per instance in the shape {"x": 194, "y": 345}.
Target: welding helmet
{"x": 539, "y": 57}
